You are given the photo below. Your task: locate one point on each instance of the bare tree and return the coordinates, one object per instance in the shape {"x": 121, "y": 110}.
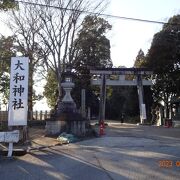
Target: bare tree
{"x": 46, "y": 31}
{"x": 25, "y": 25}
{"x": 60, "y": 26}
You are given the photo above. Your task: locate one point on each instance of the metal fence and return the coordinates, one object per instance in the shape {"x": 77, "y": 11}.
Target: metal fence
{"x": 40, "y": 115}
{"x": 3, "y": 115}
{"x": 36, "y": 115}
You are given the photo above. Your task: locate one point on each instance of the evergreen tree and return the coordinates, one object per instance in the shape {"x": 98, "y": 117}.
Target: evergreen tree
{"x": 92, "y": 50}
{"x": 8, "y": 4}
{"x": 7, "y": 50}
{"x": 164, "y": 58}
{"x": 140, "y": 59}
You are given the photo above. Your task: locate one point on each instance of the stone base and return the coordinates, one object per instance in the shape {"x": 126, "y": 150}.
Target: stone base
{"x": 78, "y": 128}
{"x": 176, "y": 123}
{"x": 65, "y": 119}
{"x": 54, "y": 127}
{"x": 57, "y": 127}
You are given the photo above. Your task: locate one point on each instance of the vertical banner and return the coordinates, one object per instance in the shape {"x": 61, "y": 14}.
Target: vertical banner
{"x": 18, "y": 101}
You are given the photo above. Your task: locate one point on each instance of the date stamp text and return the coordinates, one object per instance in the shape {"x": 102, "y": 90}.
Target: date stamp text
{"x": 169, "y": 163}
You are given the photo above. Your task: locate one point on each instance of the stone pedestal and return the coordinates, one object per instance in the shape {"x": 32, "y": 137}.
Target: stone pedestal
{"x": 53, "y": 127}
{"x": 78, "y": 127}
{"x": 71, "y": 122}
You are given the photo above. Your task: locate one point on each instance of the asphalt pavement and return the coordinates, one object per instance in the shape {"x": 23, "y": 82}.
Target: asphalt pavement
{"x": 126, "y": 151}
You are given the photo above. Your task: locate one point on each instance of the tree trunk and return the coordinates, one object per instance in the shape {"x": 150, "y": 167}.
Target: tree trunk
{"x": 25, "y": 134}
{"x": 30, "y": 90}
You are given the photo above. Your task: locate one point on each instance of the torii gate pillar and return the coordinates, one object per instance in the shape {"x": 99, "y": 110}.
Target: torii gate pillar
{"x": 142, "y": 107}
{"x": 121, "y": 72}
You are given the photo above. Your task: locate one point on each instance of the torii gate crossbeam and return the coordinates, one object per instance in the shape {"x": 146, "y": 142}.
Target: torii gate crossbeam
{"x": 121, "y": 72}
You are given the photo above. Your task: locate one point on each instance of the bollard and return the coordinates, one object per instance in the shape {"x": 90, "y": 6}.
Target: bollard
{"x": 101, "y": 129}
{"x": 168, "y": 123}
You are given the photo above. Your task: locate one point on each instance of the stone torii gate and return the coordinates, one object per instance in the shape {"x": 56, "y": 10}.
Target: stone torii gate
{"x": 103, "y": 80}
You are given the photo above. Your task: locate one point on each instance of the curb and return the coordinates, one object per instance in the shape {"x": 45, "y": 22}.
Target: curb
{"x": 16, "y": 152}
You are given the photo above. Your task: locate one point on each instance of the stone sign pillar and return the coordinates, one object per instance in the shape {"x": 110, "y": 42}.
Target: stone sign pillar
{"x": 176, "y": 118}
{"x": 83, "y": 103}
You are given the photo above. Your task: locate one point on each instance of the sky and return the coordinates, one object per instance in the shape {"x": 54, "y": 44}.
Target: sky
{"x": 128, "y": 37}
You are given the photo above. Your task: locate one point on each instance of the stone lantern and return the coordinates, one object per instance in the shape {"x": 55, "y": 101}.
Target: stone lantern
{"x": 67, "y": 85}
{"x": 66, "y": 117}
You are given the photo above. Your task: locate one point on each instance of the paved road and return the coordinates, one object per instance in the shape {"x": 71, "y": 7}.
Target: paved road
{"x": 125, "y": 152}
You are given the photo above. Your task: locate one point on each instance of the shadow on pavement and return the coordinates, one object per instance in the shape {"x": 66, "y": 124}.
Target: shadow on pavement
{"x": 125, "y": 152}
{"x": 52, "y": 165}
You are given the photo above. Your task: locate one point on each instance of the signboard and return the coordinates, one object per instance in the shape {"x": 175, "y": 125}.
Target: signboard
{"x": 12, "y": 136}
{"x": 18, "y": 102}
{"x": 1, "y": 136}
